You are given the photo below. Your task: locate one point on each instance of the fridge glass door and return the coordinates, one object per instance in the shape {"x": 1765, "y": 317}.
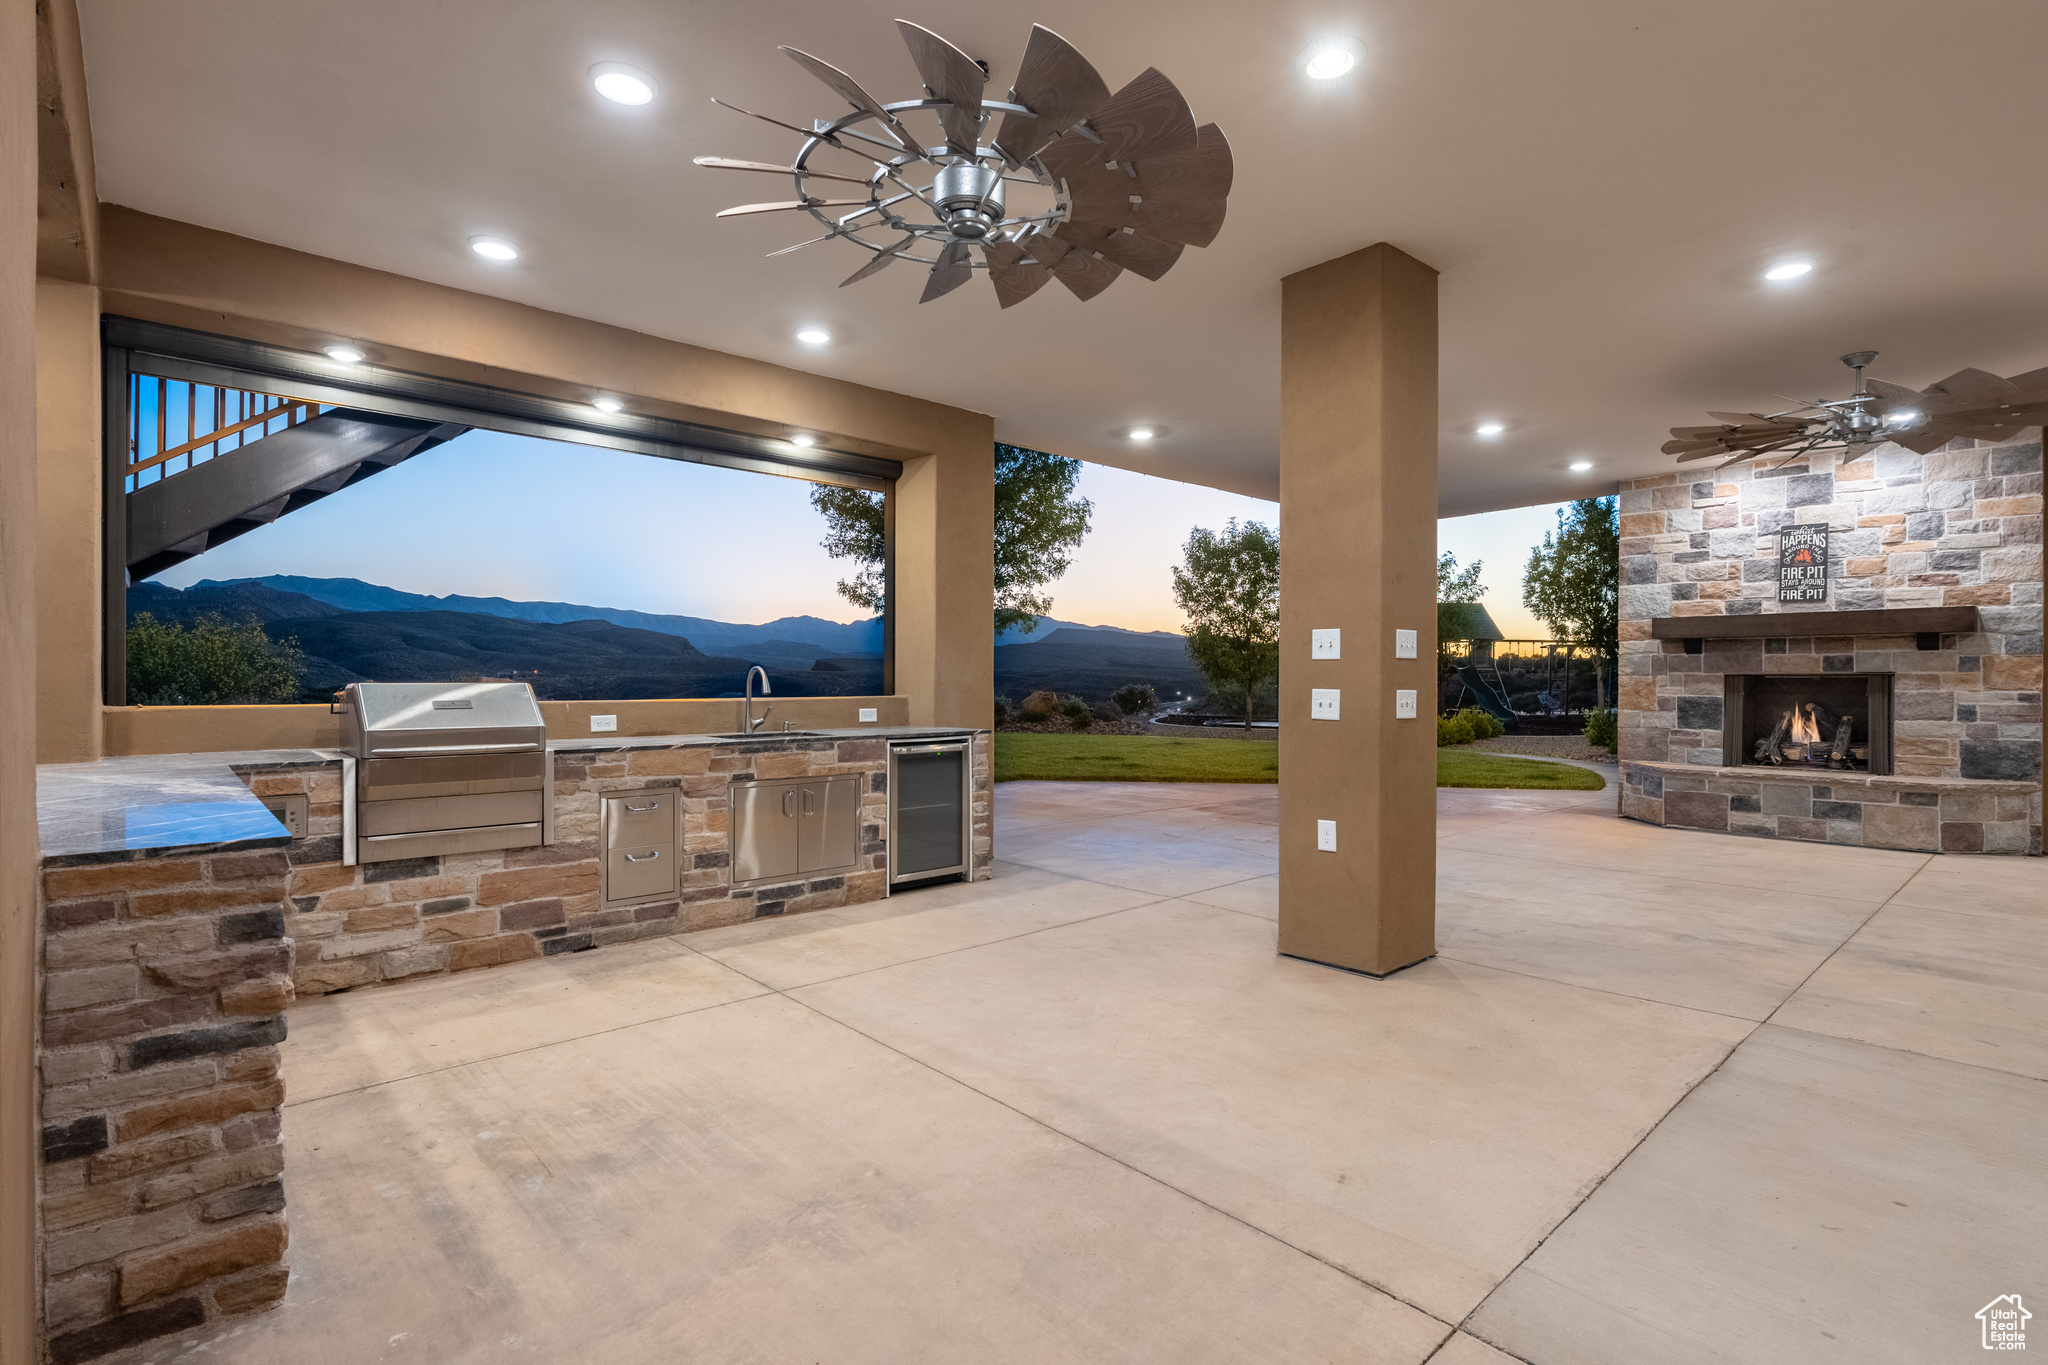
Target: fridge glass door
{"x": 929, "y": 827}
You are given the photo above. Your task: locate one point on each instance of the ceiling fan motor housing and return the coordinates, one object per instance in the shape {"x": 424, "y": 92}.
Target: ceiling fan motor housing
{"x": 971, "y": 198}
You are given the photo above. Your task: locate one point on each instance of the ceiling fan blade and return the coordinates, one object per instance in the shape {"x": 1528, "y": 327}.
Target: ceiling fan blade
{"x": 949, "y": 74}
{"x": 881, "y": 260}
{"x": 791, "y": 204}
{"x": 1977, "y": 386}
{"x": 801, "y": 245}
{"x": 1060, "y": 88}
{"x": 2032, "y": 386}
{"x": 725, "y": 163}
{"x": 1148, "y": 117}
{"x": 1014, "y": 272}
{"x": 1139, "y": 254}
{"x": 954, "y": 268}
{"x": 1738, "y": 419}
{"x": 849, "y": 89}
{"x": 1176, "y": 198}
{"x": 1894, "y": 395}
{"x": 1085, "y": 274}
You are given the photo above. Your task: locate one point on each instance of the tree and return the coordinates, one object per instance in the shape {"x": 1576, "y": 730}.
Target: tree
{"x": 212, "y": 662}
{"x": 1229, "y": 588}
{"x": 1039, "y": 521}
{"x": 1457, "y": 591}
{"x": 1573, "y": 582}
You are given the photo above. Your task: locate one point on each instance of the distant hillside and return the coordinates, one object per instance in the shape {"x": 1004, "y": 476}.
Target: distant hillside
{"x": 789, "y": 640}
{"x": 1093, "y": 661}
{"x": 236, "y": 601}
{"x": 1046, "y": 625}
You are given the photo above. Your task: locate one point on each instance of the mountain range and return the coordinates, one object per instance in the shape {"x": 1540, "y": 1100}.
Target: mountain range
{"x": 351, "y": 630}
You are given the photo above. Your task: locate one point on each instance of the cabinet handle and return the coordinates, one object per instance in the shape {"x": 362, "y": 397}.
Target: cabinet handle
{"x": 788, "y": 798}
{"x": 644, "y": 858}
{"x": 809, "y": 807}
{"x": 631, "y": 806}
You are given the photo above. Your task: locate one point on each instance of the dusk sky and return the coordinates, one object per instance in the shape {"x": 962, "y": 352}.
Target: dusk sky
{"x": 512, "y": 516}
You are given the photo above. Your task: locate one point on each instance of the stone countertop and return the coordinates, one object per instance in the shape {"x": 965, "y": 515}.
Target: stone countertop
{"x": 607, "y": 743}
{"x": 145, "y": 804}
{"x": 154, "y": 803}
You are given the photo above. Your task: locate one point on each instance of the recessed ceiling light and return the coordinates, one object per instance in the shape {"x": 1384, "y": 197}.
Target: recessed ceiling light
{"x": 347, "y": 355}
{"x": 1329, "y": 59}
{"x": 1788, "y": 270}
{"x": 607, "y": 404}
{"x": 1489, "y": 428}
{"x": 494, "y": 248}
{"x": 803, "y": 438}
{"x": 813, "y": 336}
{"x": 1142, "y": 433}
{"x": 622, "y": 84}
{"x": 1581, "y": 466}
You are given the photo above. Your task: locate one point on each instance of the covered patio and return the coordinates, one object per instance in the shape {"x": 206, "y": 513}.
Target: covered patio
{"x": 1660, "y": 1095}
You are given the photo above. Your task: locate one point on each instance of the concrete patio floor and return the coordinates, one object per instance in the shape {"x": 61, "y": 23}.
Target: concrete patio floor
{"x": 1662, "y": 1096}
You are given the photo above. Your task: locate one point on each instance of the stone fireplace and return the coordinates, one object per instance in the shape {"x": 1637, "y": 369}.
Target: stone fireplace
{"x": 1893, "y": 700}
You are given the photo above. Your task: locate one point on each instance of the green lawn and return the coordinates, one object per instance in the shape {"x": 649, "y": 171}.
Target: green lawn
{"x": 1143, "y": 758}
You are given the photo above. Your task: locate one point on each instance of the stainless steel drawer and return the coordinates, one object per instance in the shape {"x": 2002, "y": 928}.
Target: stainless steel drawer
{"x": 634, "y": 872}
{"x": 448, "y": 812}
{"x": 379, "y": 779}
{"x": 637, "y": 819}
{"x": 383, "y": 848}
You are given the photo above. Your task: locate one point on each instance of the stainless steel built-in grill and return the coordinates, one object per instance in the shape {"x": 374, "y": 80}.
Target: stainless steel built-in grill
{"x": 445, "y": 768}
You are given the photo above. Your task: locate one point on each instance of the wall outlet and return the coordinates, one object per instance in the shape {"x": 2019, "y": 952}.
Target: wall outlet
{"x": 1404, "y": 644}
{"x": 1326, "y": 644}
{"x": 598, "y": 723}
{"x": 1326, "y": 836}
{"x": 1404, "y": 705}
{"x": 870, "y": 713}
{"x": 1322, "y": 703}
{"x": 291, "y": 810}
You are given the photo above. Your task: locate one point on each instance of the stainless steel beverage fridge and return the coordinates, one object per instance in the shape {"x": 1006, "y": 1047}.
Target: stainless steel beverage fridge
{"x": 929, "y": 809}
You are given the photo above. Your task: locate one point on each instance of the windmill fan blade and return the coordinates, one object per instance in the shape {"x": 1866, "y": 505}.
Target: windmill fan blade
{"x": 1148, "y": 117}
{"x": 1176, "y": 198}
{"x": 954, "y": 268}
{"x": 1139, "y": 254}
{"x": 725, "y": 163}
{"x": 1894, "y": 395}
{"x": 1015, "y": 279}
{"x": 2031, "y": 386}
{"x": 1977, "y": 387}
{"x": 949, "y": 74}
{"x": 849, "y": 89}
{"x": 801, "y": 245}
{"x": 1085, "y": 274}
{"x": 1060, "y": 88}
{"x": 882, "y": 259}
{"x": 791, "y": 204}
{"x": 1737, "y": 419}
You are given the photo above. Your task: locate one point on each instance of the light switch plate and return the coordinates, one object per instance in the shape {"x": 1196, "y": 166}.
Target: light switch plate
{"x": 870, "y": 713}
{"x": 1404, "y": 644}
{"x": 1404, "y": 705}
{"x": 1326, "y": 836}
{"x": 1326, "y": 644}
{"x": 598, "y": 723}
{"x": 1322, "y": 703}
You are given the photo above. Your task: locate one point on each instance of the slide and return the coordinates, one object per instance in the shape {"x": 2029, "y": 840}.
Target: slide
{"x": 1487, "y": 694}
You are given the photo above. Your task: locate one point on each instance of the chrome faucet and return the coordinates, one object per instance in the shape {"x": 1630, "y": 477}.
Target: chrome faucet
{"x": 766, "y": 691}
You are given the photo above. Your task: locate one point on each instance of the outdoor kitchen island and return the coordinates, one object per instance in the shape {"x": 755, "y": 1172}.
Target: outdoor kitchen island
{"x": 181, "y": 919}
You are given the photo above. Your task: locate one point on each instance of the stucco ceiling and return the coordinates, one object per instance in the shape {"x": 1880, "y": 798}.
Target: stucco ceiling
{"x": 1600, "y": 183}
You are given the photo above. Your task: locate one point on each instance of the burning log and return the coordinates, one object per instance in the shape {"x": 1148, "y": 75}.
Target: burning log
{"x": 1840, "y": 757}
{"x": 1773, "y": 749}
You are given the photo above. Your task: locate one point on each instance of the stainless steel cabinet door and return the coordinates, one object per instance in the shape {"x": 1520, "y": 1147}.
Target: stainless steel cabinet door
{"x": 764, "y": 830}
{"x": 828, "y": 825}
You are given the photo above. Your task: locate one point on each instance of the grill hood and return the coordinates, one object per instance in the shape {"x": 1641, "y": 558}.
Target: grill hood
{"x": 394, "y": 720}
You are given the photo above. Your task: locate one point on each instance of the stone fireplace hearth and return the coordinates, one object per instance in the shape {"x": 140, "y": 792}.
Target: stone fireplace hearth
{"x": 1927, "y": 643}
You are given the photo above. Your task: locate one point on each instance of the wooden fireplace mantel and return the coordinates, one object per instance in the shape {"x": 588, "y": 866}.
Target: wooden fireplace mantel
{"x": 1888, "y": 621}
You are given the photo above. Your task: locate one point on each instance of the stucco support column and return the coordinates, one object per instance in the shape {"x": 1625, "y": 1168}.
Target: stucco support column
{"x": 1358, "y": 380}
{"x": 944, "y": 572}
{"x": 68, "y": 496}
{"x": 18, "y": 850}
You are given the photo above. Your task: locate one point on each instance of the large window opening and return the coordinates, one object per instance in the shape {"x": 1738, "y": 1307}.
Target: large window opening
{"x": 282, "y": 536}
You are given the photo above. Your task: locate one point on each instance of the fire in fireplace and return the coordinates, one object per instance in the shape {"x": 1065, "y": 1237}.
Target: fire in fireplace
{"x": 1839, "y": 722}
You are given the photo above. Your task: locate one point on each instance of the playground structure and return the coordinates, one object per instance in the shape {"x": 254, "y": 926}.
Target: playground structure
{"x": 1524, "y": 684}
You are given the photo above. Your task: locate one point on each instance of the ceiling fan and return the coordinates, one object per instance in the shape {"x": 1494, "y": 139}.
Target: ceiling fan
{"x": 1125, "y": 180}
{"x": 1969, "y": 403}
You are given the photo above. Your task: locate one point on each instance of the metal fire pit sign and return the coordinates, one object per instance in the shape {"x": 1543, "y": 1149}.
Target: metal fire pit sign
{"x": 1803, "y": 564}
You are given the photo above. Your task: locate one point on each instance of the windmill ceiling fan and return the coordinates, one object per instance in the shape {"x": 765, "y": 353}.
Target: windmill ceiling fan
{"x": 1124, "y": 181}
{"x": 1969, "y": 403}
